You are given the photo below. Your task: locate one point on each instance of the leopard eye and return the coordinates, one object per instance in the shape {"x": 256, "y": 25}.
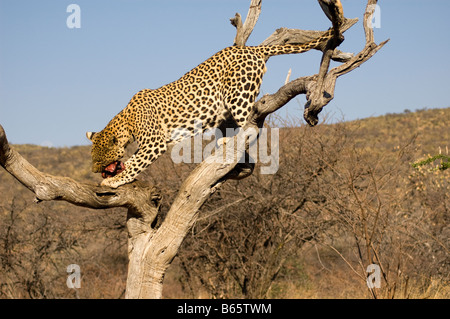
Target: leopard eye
{"x": 113, "y": 141}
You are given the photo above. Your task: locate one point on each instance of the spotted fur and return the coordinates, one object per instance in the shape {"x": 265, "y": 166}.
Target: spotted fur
{"x": 226, "y": 84}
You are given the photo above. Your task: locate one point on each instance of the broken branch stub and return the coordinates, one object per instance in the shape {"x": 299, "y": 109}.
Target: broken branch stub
{"x": 244, "y": 30}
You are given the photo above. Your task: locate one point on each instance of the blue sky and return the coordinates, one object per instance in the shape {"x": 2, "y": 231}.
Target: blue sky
{"x": 57, "y": 83}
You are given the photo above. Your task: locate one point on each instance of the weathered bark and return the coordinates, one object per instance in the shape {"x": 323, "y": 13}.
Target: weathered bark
{"x": 321, "y": 91}
{"x": 137, "y": 196}
{"x": 151, "y": 249}
{"x": 244, "y": 30}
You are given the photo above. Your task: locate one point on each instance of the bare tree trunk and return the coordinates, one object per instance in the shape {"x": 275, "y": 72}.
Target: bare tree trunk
{"x": 151, "y": 249}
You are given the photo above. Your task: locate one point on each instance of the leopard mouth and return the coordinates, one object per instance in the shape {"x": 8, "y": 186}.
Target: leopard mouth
{"x": 113, "y": 169}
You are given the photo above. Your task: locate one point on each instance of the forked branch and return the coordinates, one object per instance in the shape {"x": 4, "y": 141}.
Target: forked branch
{"x": 244, "y": 30}
{"x": 321, "y": 91}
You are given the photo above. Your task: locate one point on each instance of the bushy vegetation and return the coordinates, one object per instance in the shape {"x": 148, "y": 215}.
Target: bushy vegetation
{"x": 345, "y": 196}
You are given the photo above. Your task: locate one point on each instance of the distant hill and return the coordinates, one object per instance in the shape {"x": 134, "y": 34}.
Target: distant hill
{"x": 432, "y": 127}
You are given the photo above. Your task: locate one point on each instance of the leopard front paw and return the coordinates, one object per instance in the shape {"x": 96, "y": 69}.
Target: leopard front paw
{"x": 112, "y": 182}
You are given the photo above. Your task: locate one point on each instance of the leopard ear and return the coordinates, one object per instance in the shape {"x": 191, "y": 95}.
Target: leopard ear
{"x": 90, "y": 135}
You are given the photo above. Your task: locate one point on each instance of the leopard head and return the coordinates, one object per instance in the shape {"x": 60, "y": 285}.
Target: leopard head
{"x": 107, "y": 148}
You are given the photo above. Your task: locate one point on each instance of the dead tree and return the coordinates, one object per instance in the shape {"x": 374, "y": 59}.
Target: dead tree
{"x": 152, "y": 248}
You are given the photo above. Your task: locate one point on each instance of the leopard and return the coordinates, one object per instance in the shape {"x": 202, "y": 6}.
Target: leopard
{"x": 225, "y": 86}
